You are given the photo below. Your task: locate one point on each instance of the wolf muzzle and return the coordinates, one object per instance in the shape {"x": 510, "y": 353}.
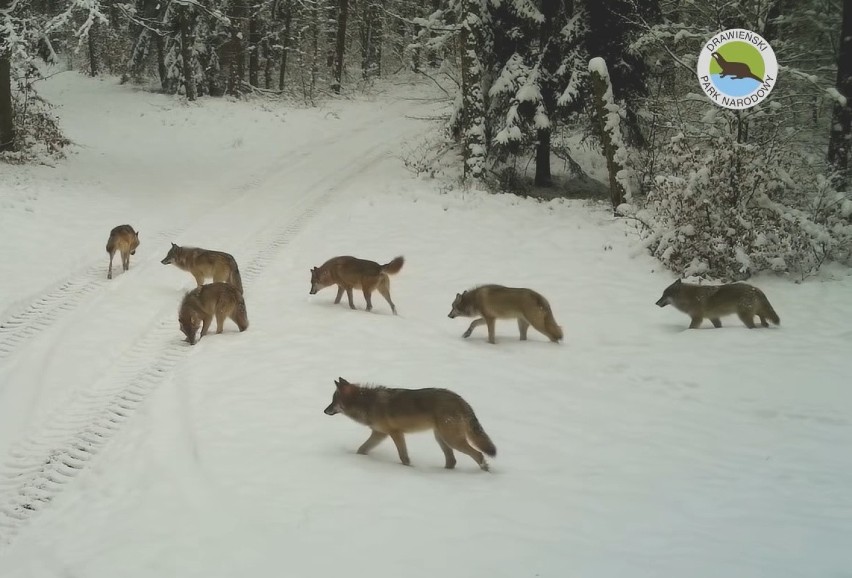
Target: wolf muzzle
{"x": 166, "y": 261}
{"x": 662, "y": 302}
{"x": 331, "y": 410}
{"x": 452, "y": 315}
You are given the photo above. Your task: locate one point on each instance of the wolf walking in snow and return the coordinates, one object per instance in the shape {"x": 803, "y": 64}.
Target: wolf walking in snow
{"x": 394, "y": 412}
{"x": 204, "y": 264}
{"x": 124, "y": 240}
{"x": 200, "y": 305}
{"x": 351, "y": 273}
{"x": 713, "y": 302}
{"x": 492, "y": 302}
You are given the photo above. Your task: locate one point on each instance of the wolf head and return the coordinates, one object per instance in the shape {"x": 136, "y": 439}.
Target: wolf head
{"x": 135, "y": 243}
{"x": 320, "y": 279}
{"x": 171, "y": 255}
{"x": 188, "y": 318}
{"x": 669, "y": 294}
{"x": 341, "y": 397}
{"x": 461, "y": 307}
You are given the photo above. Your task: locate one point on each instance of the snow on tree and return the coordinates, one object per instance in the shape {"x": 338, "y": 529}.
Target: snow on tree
{"x": 608, "y": 117}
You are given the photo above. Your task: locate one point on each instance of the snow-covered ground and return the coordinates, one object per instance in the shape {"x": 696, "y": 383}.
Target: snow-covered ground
{"x": 635, "y": 448}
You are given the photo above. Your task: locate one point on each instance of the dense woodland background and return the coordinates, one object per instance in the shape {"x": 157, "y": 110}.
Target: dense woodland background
{"x": 712, "y": 192}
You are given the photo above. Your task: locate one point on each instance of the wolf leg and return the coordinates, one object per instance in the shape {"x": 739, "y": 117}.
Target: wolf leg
{"x": 523, "y": 325}
{"x": 490, "y": 322}
{"x": 717, "y": 323}
{"x": 399, "y": 439}
{"x": 747, "y": 318}
{"x": 375, "y": 439}
{"x": 696, "y": 322}
{"x": 340, "y": 291}
{"x": 449, "y": 457}
{"x": 476, "y": 323}
{"x": 367, "y": 296}
{"x": 220, "y": 321}
{"x": 459, "y": 442}
{"x": 109, "y": 272}
{"x": 349, "y": 296}
{"x": 384, "y": 290}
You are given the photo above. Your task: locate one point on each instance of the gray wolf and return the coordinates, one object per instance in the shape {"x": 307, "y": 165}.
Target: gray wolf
{"x": 200, "y": 305}
{"x": 493, "y": 302}
{"x": 351, "y": 273}
{"x": 394, "y": 412}
{"x": 715, "y": 301}
{"x": 125, "y": 240}
{"x": 205, "y": 264}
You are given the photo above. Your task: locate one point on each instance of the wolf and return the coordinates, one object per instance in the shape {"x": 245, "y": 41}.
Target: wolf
{"x": 494, "y": 302}
{"x": 351, "y": 273}
{"x": 200, "y": 305}
{"x": 125, "y": 240}
{"x": 203, "y": 264}
{"x": 394, "y": 412}
{"x": 715, "y": 301}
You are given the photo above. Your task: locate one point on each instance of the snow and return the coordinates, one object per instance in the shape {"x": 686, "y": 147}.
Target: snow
{"x": 635, "y": 448}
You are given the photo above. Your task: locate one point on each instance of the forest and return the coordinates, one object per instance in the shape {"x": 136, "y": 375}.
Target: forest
{"x": 711, "y": 191}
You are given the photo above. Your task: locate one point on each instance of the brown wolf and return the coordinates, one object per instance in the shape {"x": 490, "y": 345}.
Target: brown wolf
{"x": 715, "y": 301}
{"x": 494, "y": 302}
{"x": 125, "y": 240}
{"x": 394, "y": 412}
{"x": 350, "y": 273}
{"x": 203, "y": 264}
{"x": 200, "y": 305}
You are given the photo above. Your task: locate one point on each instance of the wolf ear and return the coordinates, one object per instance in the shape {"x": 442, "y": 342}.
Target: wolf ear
{"x": 173, "y": 245}
{"x": 677, "y": 282}
{"x": 340, "y": 381}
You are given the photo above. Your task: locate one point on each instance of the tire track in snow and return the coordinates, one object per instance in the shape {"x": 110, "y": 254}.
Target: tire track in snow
{"x": 40, "y": 467}
{"x": 47, "y": 306}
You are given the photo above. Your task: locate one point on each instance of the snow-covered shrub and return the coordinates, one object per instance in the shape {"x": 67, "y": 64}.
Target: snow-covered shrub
{"x": 720, "y": 209}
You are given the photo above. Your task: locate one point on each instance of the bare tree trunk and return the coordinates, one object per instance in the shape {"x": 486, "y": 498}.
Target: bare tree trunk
{"x": 343, "y": 15}
{"x": 315, "y": 34}
{"x": 161, "y": 63}
{"x": 841, "y": 119}
{"x": 282, "y": 71}
{"x": 254, "y": 48}
{"x": 267, "y": 64}
{"x": 186, "y": 41}
{"x": 473, "y": 108}
{"x": 236, "y": 50}
{"x": 7, "y": 126}
{"x": 550, "y": 61}
{"x": 92, "y": 37}
{"x": 610, "y": 135}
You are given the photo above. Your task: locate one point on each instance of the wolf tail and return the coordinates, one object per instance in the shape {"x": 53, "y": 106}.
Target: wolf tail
{"x": 768, "y": 311}
{"x": 110, "y": 246}
{"x": 394, "y": 266}
{"x": 477, "y": 435}
{"x": 234, "y": 278}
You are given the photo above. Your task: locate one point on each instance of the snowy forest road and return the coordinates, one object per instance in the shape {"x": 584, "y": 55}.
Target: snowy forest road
{"x": 61, "y": 359}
